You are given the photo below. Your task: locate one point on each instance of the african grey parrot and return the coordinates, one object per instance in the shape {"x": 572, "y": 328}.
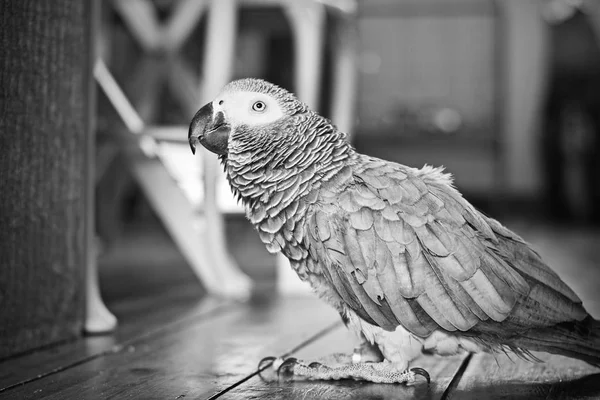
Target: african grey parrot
{"x": 408, "y": 263}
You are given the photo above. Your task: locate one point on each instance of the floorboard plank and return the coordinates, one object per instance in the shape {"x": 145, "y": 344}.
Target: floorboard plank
{"x": 557, "y": 377}
{"x": 441, "y": 369}
{"x": 138, "y": 317}
{"x": 195, "y": 361}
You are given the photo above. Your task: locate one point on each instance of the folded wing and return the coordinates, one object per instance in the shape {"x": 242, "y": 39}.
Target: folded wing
{"x": 401, "y": 246}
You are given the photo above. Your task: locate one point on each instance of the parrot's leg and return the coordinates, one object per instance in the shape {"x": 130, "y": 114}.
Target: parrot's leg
{"x": 366, "y": 363}
{"x": 381, "y": 372}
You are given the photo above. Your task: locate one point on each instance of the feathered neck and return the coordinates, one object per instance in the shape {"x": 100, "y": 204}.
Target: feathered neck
{"x": 288, "y": 163}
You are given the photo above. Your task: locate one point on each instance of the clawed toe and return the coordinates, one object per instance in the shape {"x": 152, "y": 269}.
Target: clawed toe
{"x": 265, "y": 362}
{"x": 276, "y": 368}
{"x": 422, "y": 372}
{"x": 286, "y": 368}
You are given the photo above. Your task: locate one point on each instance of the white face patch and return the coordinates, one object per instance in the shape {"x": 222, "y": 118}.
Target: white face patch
{"x": 247, "y": 108}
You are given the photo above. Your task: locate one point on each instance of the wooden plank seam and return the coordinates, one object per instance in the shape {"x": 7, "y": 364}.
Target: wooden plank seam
{"x": 298, "y": 347}
{"x": 456, "y": 378}
{"x": 216, "y": 312}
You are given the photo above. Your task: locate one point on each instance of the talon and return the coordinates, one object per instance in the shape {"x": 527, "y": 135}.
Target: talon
{"x": 263, "y": 365}
{"x": 422, "y": 372}
{"x": 287, "y": 367}
{"x": 263, "y": 361}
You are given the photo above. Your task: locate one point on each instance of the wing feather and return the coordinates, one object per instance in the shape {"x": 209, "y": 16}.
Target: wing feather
{"x": 401, "y": 247}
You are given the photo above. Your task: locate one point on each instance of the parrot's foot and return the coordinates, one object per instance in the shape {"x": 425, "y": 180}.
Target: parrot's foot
{"x": 377, "y": 372}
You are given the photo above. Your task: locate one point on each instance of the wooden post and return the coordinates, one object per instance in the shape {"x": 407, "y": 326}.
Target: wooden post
{"x": 45, "y": 146}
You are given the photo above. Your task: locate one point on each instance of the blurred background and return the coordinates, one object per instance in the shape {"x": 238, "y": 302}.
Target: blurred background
{"x": 504, "y": 93}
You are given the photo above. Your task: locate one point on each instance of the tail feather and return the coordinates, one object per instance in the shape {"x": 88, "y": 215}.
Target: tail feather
{"x": 575, "y": 339}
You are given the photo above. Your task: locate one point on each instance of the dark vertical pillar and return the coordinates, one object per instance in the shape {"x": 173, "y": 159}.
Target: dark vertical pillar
{"x": 45, "y": 161}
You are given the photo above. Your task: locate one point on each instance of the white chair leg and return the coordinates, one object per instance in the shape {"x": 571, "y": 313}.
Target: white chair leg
{"x": 218, "y": 64}
{"x": 344, "y": 75}
{"x": 98, "y": 319}
{"x": 307, "y": 20}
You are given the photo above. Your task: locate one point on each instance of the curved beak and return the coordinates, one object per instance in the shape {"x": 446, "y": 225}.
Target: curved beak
{"x": 210, "y": 131}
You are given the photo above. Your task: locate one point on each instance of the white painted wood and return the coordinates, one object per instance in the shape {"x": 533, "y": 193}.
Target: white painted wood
{"x": 344, "y": 74}
{"x": 203, "y": 241}
{"x": 98, "y": 319}
{"x": 217, "y": 72}
{"x": 307, "y": 20}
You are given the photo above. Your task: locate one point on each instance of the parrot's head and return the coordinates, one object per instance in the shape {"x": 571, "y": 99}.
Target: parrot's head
{"x": 261, "y": 131}
{"x": 247, "y": 114}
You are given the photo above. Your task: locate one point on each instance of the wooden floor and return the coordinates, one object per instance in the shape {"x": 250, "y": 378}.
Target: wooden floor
{"x": 177, "y": 344}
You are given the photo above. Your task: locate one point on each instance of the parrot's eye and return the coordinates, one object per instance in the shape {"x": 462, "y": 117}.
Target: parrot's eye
{"x": 259, "y": 106}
